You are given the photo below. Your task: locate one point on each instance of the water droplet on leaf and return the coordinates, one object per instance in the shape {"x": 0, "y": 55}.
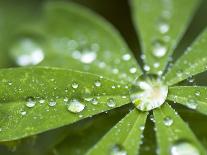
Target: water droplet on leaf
{"x": 75, "y": 106}
{"x": 168, "y": 121}
{"x": 148, "y": 93}
{"x": 184, "y": 148}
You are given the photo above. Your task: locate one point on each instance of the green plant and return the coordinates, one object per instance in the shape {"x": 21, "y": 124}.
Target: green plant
{"x": 81, "y": 67}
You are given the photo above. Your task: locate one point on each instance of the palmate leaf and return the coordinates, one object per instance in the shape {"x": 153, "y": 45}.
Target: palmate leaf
{"x": 73, "y": 37}
{"x": 193, "y": 61}
{"x": 124, "y": 137}
{"x": 173, "y": 134}
{"x": 193, "y": 97}
{"x": 161, "y": 25}
{"x": 21, "y": 87}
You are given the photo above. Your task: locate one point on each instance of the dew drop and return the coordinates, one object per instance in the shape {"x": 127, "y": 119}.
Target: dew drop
{"x": 75, "y": 85}
{"x": 27, "y": 52}
{"x": 142, "y": 127}
{"x": 126, "y": 57}
{"x": 159, "y": 49}
{"x": 133, "y": 70}
{"x": 192, "y": 104}
{"x": 94, "y": 101}
{"x": 30, "y": 102}
{"x": 146, "y": 68}
{"x": 163, "y": 27}
{"x": 148, "y": 92}
{"x": 168, "y": 121}
{"x": 88, "y": 56}
{"x": 111, "y": 103}
{"x": 184, "y": 148}
{"x": 97, "y": 83}
{"x": 41, "y": 101}
{"x": 52, "y": 103}
{"x": 75, "y": 106}
{"x": 23, "y": 113}
{"x": 118, "y": 150}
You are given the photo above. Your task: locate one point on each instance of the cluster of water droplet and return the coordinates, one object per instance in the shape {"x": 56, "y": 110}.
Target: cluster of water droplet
{"x": 75, "y": 104}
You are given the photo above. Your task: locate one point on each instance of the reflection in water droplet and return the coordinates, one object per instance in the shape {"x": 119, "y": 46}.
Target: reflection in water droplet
{"x": 184, "y": 148}
{"x": 97, "y": 83}
{"x": 133, "y": 70}
{"x": 159, "y": 49}
{"x": 94, "y": 101}
{"x": 52, "y": 103}
{"x": 163, "y": 26}
{"x": 75, "y": 106}
{"x": 148, "y": 92}
{"x": 192, "y": 104}
{"x": 111, "y": 103}
{"x": 30, "y": 102}
{"x": 27, "y": 52}
{"x": 168, "y": 121}
{"x": 88, "y": 57}
{"x": 118, "y": 150}
{"x": 74, "y": 85}
{"x": 23, "y": 113}
{"x": 126, "y": 57}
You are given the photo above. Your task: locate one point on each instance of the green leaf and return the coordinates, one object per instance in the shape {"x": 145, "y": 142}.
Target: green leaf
{"x": 53, "y": 86}
{"x": 193, "y": 61}
{"x": 125, "y": 136}
{"x": 173, "y": 134}
{"x": 74, "y": 37}
{"x": 193, "y": 97}
{"x": 81, "y": 140}
{"x": 12, "y": 17}
{"x": 160, "y": 25}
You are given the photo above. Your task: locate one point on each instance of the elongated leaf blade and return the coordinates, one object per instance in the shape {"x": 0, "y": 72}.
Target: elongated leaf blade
{"x": 34, "y": 100}
{"x": 161, "y": 25}
{"x": 173, "y": 134}
{"x": 125, "y": 136}
{"x": 192, "y": 97}
{"x": 90, "y": 132}
{"x": 74, "y": 37}
{"x": 193, "y": 61}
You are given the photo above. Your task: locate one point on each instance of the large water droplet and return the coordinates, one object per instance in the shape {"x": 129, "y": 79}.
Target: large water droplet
{"x": 88, "y": 57}
{"x": 192, "y": 104}
{"x": 168, "y": 121}
{"x": 97, "y": 83}
{"x": 163, "y": 26}
{"x": 184, "y": 148}
{"x": 52, "y": 103}
{"x": 75, "y": 106}
{"x": 27, "y": 52}
{"x": 111, "y": 103}
{"x": 148, "y": 92}
{"x": 74, "y": 85}
{"x": 126, "y": 57}
{"x": 159, "y": 49}
{"x": 118, "y": 150}
{"x": 30, "y": 102}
